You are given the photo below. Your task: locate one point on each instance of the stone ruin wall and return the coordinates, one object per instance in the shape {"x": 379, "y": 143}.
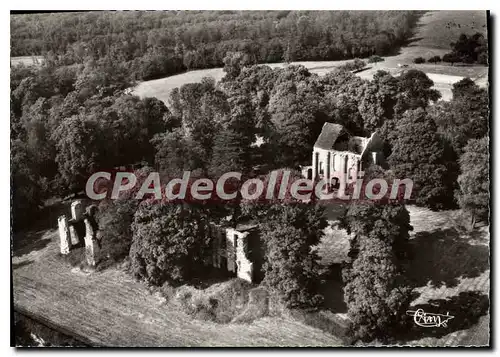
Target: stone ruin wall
{"x": 70, "y": 237}
{"x": 240, "y": 263}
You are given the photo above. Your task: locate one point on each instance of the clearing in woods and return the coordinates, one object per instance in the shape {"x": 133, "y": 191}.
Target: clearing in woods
{"x": 438, "y": 29}
{"x": 433, "y": 35}
{"x": 26, "y": 60}
{"x": 110, "y": 308}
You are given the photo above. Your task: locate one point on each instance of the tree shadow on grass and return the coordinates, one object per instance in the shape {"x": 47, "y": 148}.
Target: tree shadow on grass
{"x": 412, "y": 42}
{"x": 442, "y": 256}
{"x": 466, "y": 309}
{"x": 37, "y": 236}
{"x": 326, "y": 318}
{"x": 27, "y": 242}
{"x": 21, "y": 264}
{"x": 332, "y": 289}
{"x": 207, "y": 276}
{"x": 47, "y": 216}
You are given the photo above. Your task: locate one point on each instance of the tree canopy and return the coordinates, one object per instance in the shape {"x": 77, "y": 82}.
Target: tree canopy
{"x": 474, "y": 182}
{"x": 169, "y": 242}
{"x": 421, "y": 154}
{"x": 376, "y": 291}
{"x": 159, "y": 43}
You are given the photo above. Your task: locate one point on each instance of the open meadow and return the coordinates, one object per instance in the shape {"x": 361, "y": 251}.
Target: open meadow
{"x": 26, "y": 60}
{"x": 434, "y": 33}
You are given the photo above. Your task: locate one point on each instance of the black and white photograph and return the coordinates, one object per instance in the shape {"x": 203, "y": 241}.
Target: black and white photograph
{"x": 250, "y": 178}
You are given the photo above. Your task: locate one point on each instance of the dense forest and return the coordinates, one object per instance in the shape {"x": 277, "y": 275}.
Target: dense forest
{"x": 68, "y": 122}
{"x": 151, "y": 44}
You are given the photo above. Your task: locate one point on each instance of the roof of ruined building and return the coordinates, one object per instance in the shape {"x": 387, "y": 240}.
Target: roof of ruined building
{"x": 240, "y": 225}
{"x": 328, "y": 136}
{"x": 331, "y": 132}
{"x": 246, "y": 226}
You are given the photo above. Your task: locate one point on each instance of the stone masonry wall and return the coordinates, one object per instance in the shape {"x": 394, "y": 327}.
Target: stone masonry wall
{"x": 237, "y": 260}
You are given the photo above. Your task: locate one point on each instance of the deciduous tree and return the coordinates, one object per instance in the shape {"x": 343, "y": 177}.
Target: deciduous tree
{"x": 376, "y": 292}
{"x": 289, "y": 232}
{"x": 421, "y": 154}
{"x": 169, "y": 242}
{"x": 465, "y": 117}
{"x": 474, "y": 180}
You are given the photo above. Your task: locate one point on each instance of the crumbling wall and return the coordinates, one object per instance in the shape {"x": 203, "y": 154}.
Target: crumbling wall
{"x": 240, "y": 264}
{"x": 64, "y": 235}
{"x": 91, "y": 246}
{"x": 80, "y": 229}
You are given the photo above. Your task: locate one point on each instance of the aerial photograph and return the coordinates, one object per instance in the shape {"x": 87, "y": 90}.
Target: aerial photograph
{"x": 250, "y": 178}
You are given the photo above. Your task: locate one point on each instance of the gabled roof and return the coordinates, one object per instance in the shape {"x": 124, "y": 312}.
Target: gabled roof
{"x": 246, "y": 226}
{"x": 328, "y": 136}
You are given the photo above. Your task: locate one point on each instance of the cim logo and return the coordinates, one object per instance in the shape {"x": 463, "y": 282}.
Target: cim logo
{"x": 427, "y": 319}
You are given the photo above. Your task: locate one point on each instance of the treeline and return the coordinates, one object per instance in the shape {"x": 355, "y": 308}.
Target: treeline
{"x": 473, "y": 49}
{"x": 152, "y": 44}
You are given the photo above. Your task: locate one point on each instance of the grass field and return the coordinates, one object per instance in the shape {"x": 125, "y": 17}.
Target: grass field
{"x": 437, "y": 29}
{"x": 111, "y": 309}
{"x": 450, "y": 260}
